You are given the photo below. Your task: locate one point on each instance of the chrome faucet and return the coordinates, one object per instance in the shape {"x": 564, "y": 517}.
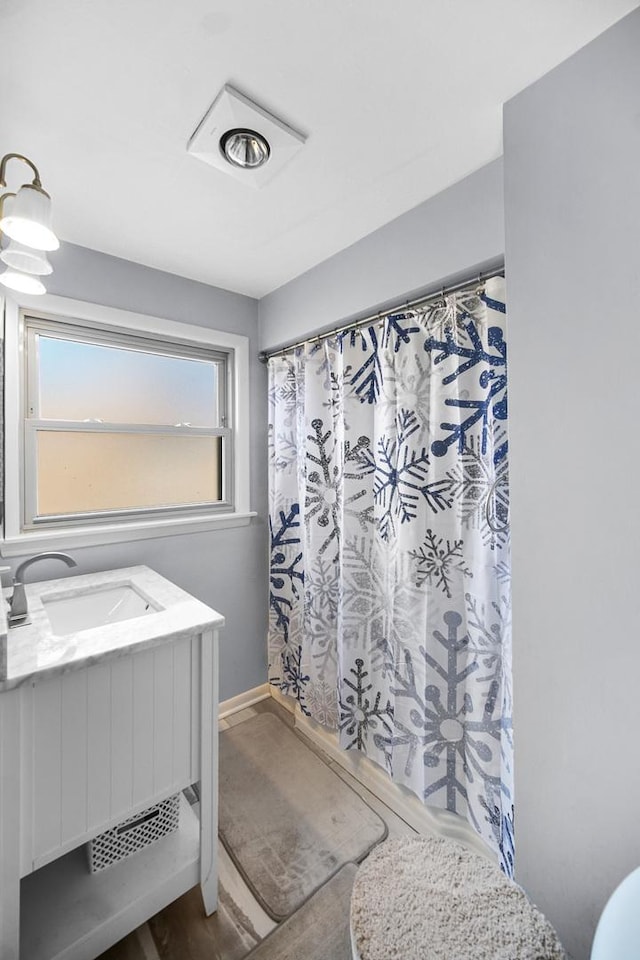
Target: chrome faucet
{"x": 18, "y": 603}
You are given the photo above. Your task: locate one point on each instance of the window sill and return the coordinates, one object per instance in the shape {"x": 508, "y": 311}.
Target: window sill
{"x": 39, "y": 540}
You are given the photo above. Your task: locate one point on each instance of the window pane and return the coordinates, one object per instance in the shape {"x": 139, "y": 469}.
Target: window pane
{"x": 82, "y": 381}
{"x": 86, "y": 472}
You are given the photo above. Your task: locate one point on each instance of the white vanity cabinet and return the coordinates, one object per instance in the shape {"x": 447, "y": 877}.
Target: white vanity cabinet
{"x": 118, "y": 724}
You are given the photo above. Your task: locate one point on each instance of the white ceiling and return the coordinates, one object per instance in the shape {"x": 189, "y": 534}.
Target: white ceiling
{"x": 398, "y": 99}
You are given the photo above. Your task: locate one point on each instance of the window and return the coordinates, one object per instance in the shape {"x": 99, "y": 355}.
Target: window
{"x": 117, "y": 423}
{"x": 119, "y": 428}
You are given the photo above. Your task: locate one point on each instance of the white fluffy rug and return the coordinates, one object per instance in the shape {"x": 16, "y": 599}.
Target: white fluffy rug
{"x": 432, "y": 899}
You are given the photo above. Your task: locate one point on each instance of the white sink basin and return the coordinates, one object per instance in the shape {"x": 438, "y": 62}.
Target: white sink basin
{"x": 95, "y": 607}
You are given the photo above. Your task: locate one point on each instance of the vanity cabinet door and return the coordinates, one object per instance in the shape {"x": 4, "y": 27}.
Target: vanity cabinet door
{"x": 106, "y": 741}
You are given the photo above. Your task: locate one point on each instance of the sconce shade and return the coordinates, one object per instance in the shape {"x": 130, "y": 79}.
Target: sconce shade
{"x": 19, "y": 257}
{"x": 22, "y": 282}
{"x": 30, "y": 219}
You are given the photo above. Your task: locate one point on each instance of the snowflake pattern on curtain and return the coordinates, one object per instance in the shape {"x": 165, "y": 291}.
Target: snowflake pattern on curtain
{"x": 390, "y": 569}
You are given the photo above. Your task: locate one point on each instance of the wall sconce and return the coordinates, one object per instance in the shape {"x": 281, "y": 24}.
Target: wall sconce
{"x": 28, "y": 226}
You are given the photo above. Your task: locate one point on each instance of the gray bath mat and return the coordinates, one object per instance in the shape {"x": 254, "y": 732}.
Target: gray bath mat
{"x": 319, "y": 930}
{"x": 288, "y": 822}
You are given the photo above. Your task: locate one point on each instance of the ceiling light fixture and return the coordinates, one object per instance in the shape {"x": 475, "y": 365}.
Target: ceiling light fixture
{"x": 243, "y": 140}
{"x": 245, "y": 148}
{"x": 28, "y": 225}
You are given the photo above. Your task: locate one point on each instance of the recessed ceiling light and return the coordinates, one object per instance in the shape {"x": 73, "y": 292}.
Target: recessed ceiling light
{"x": 245, "y": 148}
{"x": 238, "y": 137}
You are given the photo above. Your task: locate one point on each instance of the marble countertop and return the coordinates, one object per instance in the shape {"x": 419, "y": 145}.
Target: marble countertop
{"x": 34, "y": 652}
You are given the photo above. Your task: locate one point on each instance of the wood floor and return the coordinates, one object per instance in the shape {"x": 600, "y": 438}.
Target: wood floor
{"x": 182, "y": 931}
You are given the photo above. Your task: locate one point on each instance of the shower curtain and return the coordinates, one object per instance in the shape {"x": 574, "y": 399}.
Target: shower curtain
{"x": 390, "y": 573}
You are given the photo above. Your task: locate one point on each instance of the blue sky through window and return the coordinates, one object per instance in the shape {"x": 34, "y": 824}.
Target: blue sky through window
{"x": 80, "y": 381}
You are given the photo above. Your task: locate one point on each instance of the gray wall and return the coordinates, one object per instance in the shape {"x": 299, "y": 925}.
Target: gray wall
{"x": 440, "y": 241}
{"x": 572, "y": 201}
{"x": 227, "y": 568}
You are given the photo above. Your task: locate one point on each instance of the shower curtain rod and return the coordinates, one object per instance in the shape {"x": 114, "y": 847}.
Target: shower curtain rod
{"x": 381, "y": 314}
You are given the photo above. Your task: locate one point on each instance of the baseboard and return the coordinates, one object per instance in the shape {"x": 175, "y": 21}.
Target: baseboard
{"x": 242, "y": 700}
{"x": 426, "y": 820}
{"x": 287, "y": 702}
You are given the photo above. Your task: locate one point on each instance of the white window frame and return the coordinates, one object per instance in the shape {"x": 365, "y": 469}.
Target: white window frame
{"x": 46, "y": 325}
{"x": 17, "y": 538}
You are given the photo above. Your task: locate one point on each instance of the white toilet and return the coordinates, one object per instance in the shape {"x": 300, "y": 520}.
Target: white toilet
{"x": 618, "y": 932}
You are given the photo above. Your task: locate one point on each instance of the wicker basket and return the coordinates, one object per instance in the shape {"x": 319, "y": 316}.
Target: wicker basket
{"x": 134, "y": 834}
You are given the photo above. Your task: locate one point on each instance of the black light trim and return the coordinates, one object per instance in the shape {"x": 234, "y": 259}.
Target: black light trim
{"x": 264, "y": 150}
